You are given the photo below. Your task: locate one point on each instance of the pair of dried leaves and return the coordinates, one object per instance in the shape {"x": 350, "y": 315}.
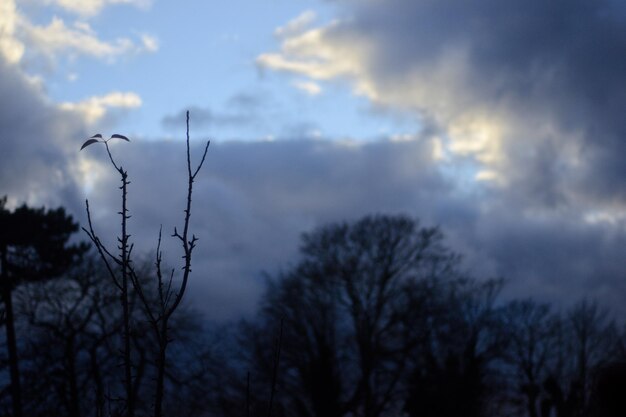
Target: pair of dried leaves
{"x": 98, "y": 138}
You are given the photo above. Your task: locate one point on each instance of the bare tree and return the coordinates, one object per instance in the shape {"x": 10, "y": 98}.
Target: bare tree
{"x": 455, "y": 370}
{"x": 350, "y": 310}
{"x": 169, "y": 299}
{"x": 532, "y": 330}
{"x": 72, "y": 336}
{"x": 71, "y": 347}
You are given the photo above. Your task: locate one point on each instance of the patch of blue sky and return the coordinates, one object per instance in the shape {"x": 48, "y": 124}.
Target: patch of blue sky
{"x": 206, "y": 56}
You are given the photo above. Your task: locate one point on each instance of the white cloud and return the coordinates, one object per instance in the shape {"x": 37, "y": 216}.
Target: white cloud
{"x": 20, "y": 35}
{"x": 95, "y": 108}
{"x": 309, "y": 87}
{"x": 332, "y": 52}
{"x": 11, "y": 48}
{"x": 312, "y": 55}
{"x": 57, "y": 38}
{"x": 89, "y": 8}
{"x": 150, "y": 43}
{"x": 297, "y": 25}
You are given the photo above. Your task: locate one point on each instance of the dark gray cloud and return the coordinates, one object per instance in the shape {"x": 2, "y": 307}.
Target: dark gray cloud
{"x": 247, "y": 101}
{"x": 532, "y": 94}
{"x": 39, "y": 145}
{"x": 254, "y": 199}
{"x": 548, "y": 256}
{"x": 550, "y": 74}
{"x": 206, "y": 117}
{"x": 241, "y": 110}
{"x": 553, "y": 72}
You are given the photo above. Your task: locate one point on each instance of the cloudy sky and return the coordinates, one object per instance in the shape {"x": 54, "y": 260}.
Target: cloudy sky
{"x": 501, "y": 121}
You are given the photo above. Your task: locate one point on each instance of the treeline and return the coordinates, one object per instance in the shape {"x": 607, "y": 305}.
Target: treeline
{"x": 376, "y": 318}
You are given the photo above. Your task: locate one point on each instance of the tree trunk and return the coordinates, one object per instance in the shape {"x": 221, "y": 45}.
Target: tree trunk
{"x": 16, "y": 391}
{"x": 160, "y": 382}
{"x": 70, "y": 357}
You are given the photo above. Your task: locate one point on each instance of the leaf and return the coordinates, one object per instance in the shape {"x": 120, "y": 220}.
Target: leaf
{"x": 88, "y": 142}
{"x": 97, "y": 135}
{"x": 116, "y": 136}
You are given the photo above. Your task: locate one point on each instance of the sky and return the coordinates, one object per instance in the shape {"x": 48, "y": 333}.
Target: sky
{"x": 500, "y": 121}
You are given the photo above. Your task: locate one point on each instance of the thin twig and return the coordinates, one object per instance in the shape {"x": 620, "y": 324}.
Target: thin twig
{"x": 188, "y": 245}
{"x": 100, "y": 247}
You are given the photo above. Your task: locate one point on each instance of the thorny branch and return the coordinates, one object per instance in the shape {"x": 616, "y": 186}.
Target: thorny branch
{"x": 168, "y": 300}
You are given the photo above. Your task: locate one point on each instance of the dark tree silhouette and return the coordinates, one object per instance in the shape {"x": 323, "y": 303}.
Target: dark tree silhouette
{"x": 34, "y": 246}
{"x": 70, "y": 344}
{"x": 607, "y": 395}
{"x": 532, "y": 331}
{"x": 352, "y": 309}
{"x": 589, "y": 341}
{"x": 70, "y": 351}
{"x": 455, "y": 370}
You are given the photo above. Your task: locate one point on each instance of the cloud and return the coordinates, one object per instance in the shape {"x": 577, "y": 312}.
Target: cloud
{"x": 308, "y": 87}
{"x": 526, "y": 100}
{"x": 39, "y": 145}
{"x": 247, "y": 101}
{"x": 19, "y": 35}
{"x": 297, "y": 25}
{"x": 310, "y": 54}
{"x": 90, "y": 8}
{"x": 40, "y": 162}
{"x": 253, "y": 199}
{"x": 11, "y": 49}
{"x": 241, "y": 110}
{"x": 57, "y": 38}
{"x": 150, "y": 43}
{"x": 518, "y": 160}
{"x": 532, "y": 91}
{"x": 95, "y": 108}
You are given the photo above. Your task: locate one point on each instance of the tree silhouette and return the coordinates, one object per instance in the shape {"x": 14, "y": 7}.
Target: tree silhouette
{"x": 589, "y": 342}
{"x": 532, "y": 330}
{"x": 352, "y": 312}
{"x": 70, "y": 349}
{"x": 608, "y": 390}
{"x": 33, "y": 246}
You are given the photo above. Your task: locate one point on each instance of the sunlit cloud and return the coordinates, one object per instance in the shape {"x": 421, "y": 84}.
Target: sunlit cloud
{"x": 505, "y": 93}
{"x": 480, "y": 137}
{"x": 95, "y": 108}
{"x": 90, "y": 172}
{"x": 311, "y": 54}
{"x": 331, "y": 52}
{"x": 11, "y": 48}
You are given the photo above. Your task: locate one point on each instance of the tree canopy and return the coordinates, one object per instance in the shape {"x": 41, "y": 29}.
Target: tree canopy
{"x": 36, "y": 242}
